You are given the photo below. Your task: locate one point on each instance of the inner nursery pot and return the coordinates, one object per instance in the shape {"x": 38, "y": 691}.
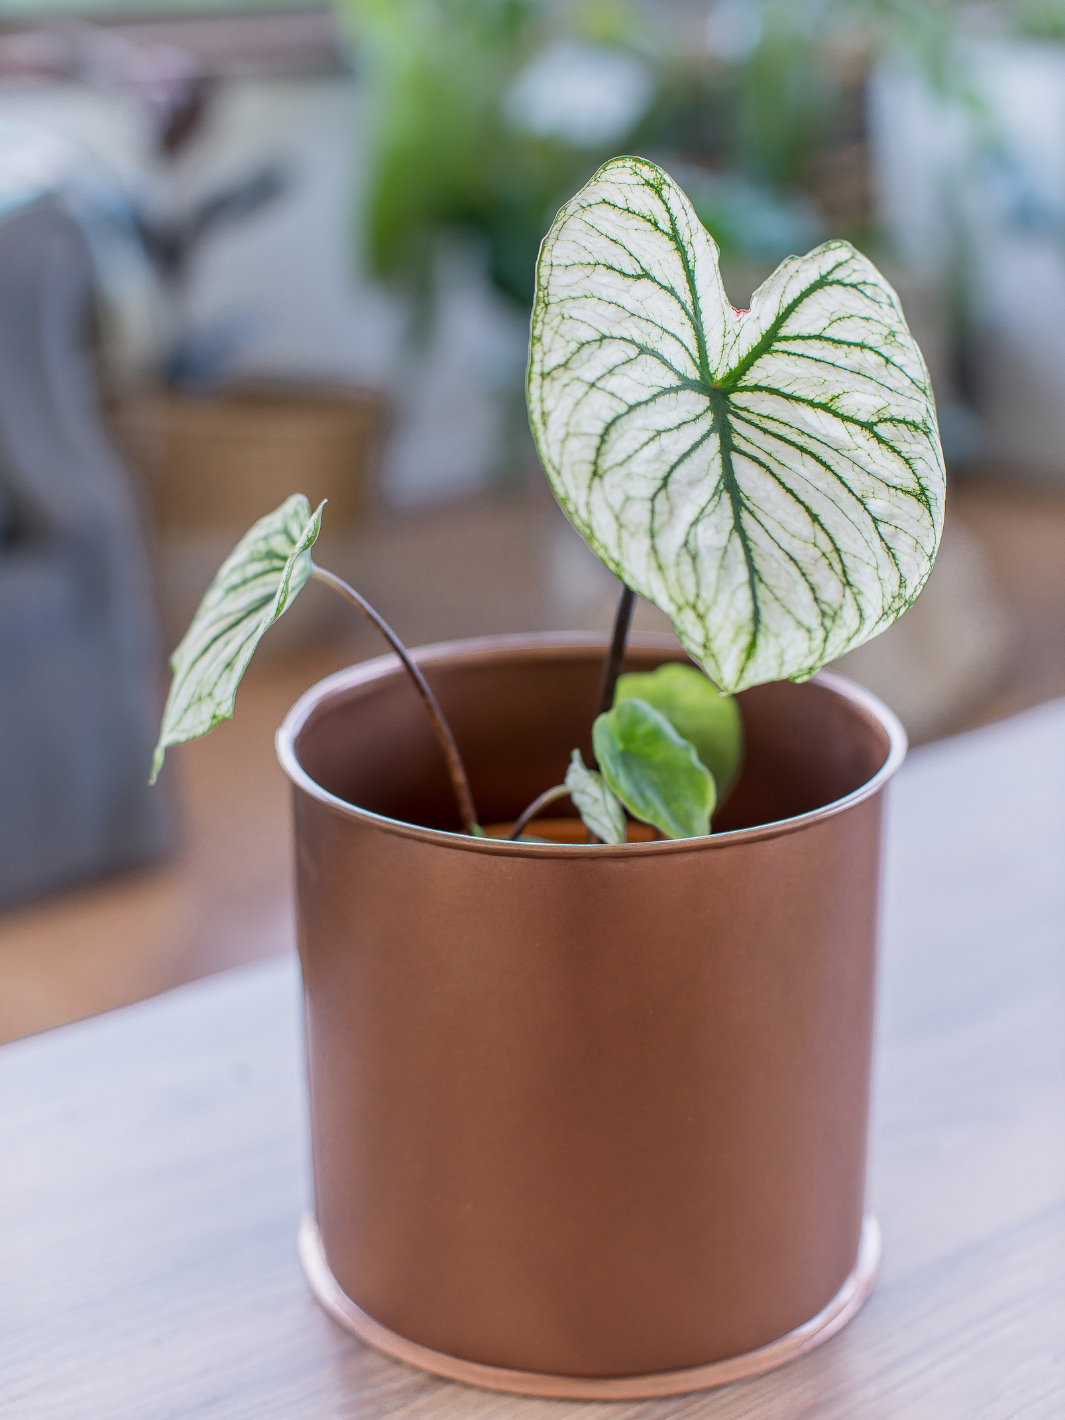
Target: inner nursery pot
{"x": 587, "y": 1121}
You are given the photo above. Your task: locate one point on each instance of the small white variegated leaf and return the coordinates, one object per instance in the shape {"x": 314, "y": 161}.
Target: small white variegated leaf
{"x": 257, "y": 582}
{"x": 594, "y": 801}
{"x": 772, "y": 479}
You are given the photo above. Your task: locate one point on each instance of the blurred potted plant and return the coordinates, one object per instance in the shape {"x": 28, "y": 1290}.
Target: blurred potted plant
{"x": 589, "y": 1094}
{"x": 215, "y": 452}
{"x": 484, "y": 117}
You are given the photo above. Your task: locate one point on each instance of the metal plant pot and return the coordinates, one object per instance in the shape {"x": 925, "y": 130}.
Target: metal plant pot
{"x": 587, "y": 1122}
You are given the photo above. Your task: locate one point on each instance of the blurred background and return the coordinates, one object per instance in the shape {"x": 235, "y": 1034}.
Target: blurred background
{"x": 270, "y": 246}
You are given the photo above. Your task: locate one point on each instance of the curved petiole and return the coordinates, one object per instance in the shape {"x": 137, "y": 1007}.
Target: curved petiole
{"x": 549, "y": 796}
{"x": 460, "y": 784}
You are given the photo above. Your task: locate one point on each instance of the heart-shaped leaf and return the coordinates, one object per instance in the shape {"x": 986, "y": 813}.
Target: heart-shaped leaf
{"x": 772, "y": 479}
{"x": 257, "y": 582}
{"x": 697, "y": 711}
{"x": 593, "y": 800}
{"x": 654, "y": 771}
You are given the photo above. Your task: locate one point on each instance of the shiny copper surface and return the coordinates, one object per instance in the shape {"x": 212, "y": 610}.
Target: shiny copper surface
{"x": 587, "y": 1111}
{"x": 813, "y": 1333}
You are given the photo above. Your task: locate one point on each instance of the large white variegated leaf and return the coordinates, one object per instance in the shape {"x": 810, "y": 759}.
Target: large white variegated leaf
{"x": 257, "y": 583}
{"x": 772, "y": 479}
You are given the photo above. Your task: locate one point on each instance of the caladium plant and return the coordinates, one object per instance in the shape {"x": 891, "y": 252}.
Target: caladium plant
{"x": 772, "y": 479}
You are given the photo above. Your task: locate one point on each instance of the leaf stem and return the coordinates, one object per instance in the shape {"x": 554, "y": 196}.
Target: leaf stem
{"x": 560, "y": 791}
{"x": 614, "y": 661}
{"x": 460, "y": 784}
{"x": 612, "y": 668}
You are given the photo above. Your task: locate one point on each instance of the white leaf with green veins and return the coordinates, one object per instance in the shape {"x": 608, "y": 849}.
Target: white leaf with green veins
{"x": 594, "y": 801}
{"x": 772, "y": 479}
{"x": 257, "y": 582}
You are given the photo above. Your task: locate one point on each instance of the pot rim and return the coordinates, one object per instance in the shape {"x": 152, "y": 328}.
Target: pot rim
{"x": 486, "y": 648}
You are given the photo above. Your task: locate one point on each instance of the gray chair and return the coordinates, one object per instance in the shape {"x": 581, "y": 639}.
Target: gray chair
{"x": 81, "y": 660}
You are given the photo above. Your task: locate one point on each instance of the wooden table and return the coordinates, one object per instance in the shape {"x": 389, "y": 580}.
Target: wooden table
{"x": 153, "y": 1167}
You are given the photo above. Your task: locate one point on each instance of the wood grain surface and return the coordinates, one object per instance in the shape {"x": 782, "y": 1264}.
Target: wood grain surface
{"x": 153, "y": 1168}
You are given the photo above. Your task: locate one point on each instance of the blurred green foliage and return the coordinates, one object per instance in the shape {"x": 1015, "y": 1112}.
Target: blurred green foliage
{"x": 787, "y": 91}
{"x": 1039, "y": 19}
{"x": 742, "y": 130}
{"x": 444, "y": 155}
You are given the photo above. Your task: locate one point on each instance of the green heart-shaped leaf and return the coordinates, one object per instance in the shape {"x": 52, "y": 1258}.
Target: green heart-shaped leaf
{"x": 772, "y": 479}
{"x": 593, "y": 800}
{"x": 654, "y": 771}
{"x": 257, "y": 582}
{"x": 698, "y": 711}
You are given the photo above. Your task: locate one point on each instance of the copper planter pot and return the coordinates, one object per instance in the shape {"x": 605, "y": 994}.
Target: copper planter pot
{"x": 586, "y": 1121}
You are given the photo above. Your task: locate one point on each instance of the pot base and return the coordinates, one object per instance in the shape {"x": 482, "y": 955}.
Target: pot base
{"x": 811, "y": 1334}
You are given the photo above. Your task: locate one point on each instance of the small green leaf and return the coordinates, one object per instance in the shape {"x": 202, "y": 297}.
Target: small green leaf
{"x": 654, "y": 771}
{"x": 597, "y": 806}
{"x": 698, "y": 711}
{"x": 257, "y": 582}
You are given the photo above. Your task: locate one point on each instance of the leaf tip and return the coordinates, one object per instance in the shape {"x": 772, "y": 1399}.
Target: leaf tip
{"x": 157, "y": 761}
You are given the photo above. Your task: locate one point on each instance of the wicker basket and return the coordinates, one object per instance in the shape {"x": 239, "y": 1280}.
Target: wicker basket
{"x": 221, "y": 460}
